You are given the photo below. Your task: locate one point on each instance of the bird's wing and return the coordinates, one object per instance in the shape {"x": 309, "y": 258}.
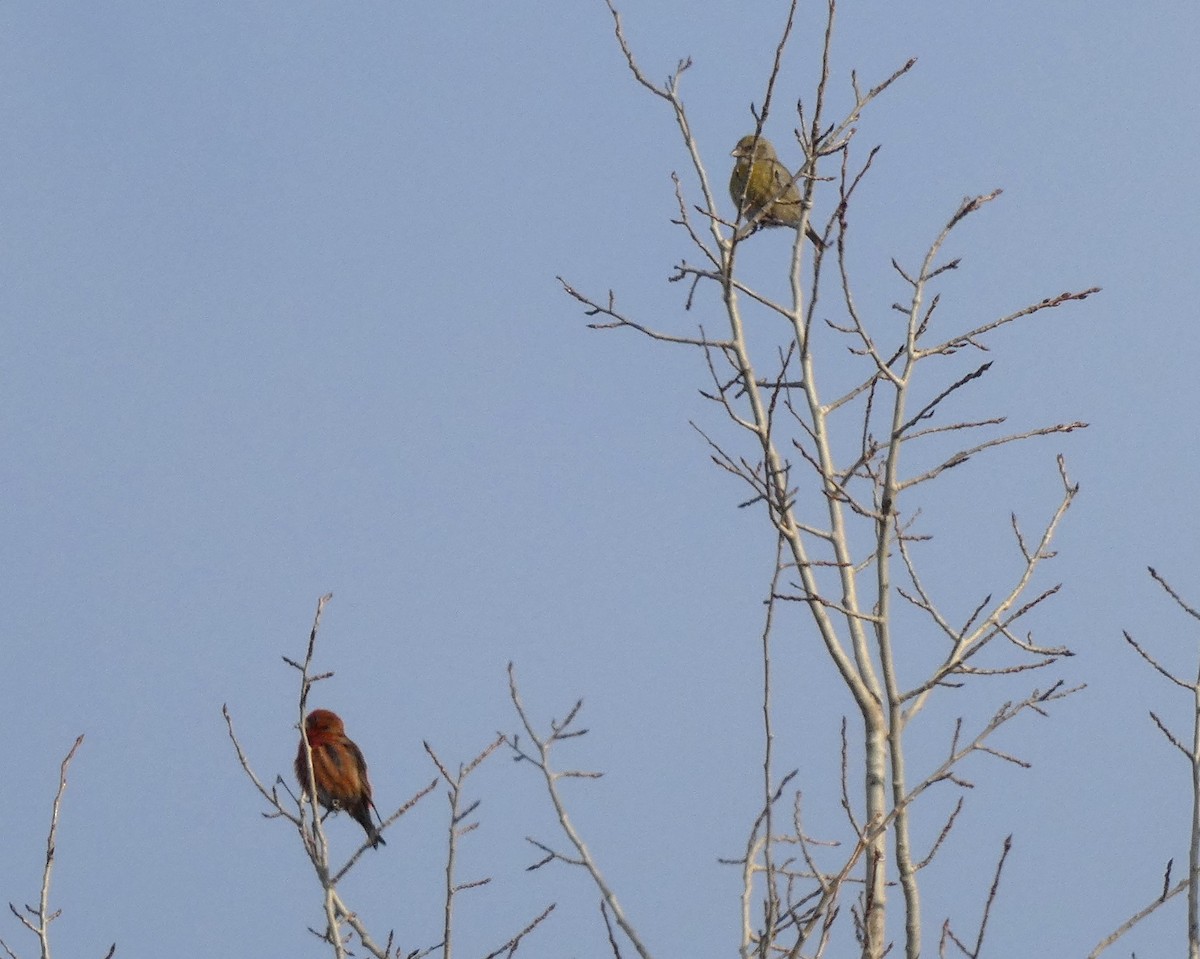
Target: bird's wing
{"x": 783, "y": 187}
{"x": 361, "y": 762}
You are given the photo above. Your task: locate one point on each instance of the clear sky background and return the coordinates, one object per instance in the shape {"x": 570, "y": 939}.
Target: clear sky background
{"x": 280, "y": 318}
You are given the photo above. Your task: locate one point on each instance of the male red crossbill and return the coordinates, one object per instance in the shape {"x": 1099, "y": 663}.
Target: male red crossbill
{"x": 339, "y": 769}
{"x": 760, "y": 184}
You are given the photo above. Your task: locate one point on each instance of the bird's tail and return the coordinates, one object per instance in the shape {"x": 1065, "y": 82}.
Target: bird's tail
{"x": 363, "y": 817}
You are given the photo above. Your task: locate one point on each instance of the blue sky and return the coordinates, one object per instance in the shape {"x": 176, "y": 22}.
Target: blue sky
{"x": 280, "y": 318}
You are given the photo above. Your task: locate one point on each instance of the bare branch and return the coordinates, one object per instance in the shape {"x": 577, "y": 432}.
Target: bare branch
{"x": 510, "y": 947}
{"x": 1162, "y": 728}
{"x": 960, "y": 457}
{"x": 609, "y": 309}
{"x": 1137, "y": 917}
{"x": 975, "y": 951}
{"x": 937, "y": 843}
{"x": 541, "y": 759}
{"x": 41, "y": 915}
{"x": 1154, "y": 663}
{"x": 454, "y": 830}
{"x": 1190, "y": 610}
{"x": 969, "y": 338}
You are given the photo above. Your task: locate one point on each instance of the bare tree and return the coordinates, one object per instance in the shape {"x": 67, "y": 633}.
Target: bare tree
{"x": 837, "y": 476}
{"x": 343, "y": 924}
{"x": 1191, "y": 754}
{"x": 37, "y": 919}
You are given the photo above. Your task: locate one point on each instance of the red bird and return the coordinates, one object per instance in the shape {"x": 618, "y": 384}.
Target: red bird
{"x": 339, "y": 769}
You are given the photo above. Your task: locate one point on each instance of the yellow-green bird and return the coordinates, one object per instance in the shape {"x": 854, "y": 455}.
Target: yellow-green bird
{"x": 760, "y": 184}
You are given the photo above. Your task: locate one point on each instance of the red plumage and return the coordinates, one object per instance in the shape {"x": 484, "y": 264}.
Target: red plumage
{"x": 339, "y": 769}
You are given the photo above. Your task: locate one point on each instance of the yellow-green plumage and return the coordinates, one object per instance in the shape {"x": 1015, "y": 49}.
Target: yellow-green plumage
{"x": 763, "y": 189}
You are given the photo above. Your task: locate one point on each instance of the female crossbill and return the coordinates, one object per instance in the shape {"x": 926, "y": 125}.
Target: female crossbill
{"x": 339, "y": 769}
{"x": 763, "y": 189}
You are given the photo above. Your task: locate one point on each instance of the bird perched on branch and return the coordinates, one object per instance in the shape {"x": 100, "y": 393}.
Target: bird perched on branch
{"x": 763, "y": 189}
{"x": 339, "y": 769}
